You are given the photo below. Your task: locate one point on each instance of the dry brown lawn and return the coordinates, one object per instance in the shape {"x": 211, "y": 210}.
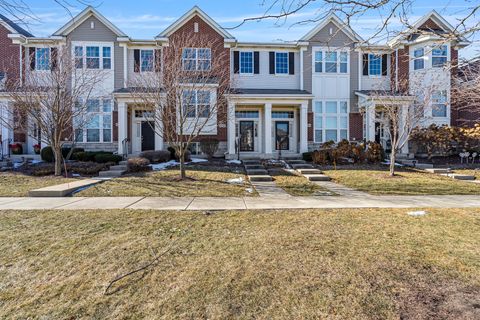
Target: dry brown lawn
{"x": 18, "y": 185}
{"x": 299, "y": 264}
{"x": 297, "y": 185}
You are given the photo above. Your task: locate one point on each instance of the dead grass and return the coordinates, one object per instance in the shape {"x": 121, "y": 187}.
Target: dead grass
{"x": 296, "y": 185}
{"x": 336, "y": 264}
{"x": 375, "y": 180}
{"x": 202, "y": 182}
{"x": 18, "y": 185}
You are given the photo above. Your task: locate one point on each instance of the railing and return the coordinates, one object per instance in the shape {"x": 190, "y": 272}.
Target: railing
{"x": 125, "y": 148}
{"x": 5, "y": 145}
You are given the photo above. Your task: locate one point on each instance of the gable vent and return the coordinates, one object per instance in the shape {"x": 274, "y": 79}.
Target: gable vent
{"x": 92, "y": 24}
{"x": 195, "y": 27}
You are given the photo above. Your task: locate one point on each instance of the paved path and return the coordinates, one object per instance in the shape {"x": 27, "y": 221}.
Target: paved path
{"x": 246, "y": 203}
{"x": 269, "y": 189}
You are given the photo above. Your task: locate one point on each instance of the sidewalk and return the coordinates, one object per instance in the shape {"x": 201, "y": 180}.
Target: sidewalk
{"x": 247, "y": 203}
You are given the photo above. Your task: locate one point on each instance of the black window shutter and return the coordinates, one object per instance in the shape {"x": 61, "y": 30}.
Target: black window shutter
{"x": 384, "y": 64}
{"x": 365, "y": 64}
{"x": 136, "y": 58}
{"x": 158, "y": 60}
{"x": 31, "y": 54}
{"x": 256, "y": 62}
{"x": 272, "y": 62}
{"x": 236, "y": 62}
{"x": 291, "y": 62}
{"x": 54, "y": 58}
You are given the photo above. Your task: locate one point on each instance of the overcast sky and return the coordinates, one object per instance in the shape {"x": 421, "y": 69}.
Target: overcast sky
{"x": 144, "y": 19}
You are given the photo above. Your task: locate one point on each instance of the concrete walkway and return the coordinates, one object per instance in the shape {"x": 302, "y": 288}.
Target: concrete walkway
{"x": 246, "y": 203}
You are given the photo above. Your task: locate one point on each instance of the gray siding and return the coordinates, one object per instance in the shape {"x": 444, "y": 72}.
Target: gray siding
{"x": 265, "y": 80}
{"x": 101, "y": 33}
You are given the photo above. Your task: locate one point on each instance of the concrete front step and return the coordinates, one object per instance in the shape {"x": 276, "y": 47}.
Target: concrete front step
{"x": 317, "y": 177}
{"x": 111, "y": 173}
{"x": 123, "y": 163}
{"x": 424, "y": 166}
{"x": 119, "y": 167}
{"x": 260, "y": 178}
{"x": 438, "y": 170}
{"x": 309, "y": 171}
{"x": 457, "y": 176}
{"x": 257, "y": 172}
{"x": 302, "y": 166}
{"x": 62, "y": 190}
{"x": 292, "y": 162}
{"x": 254, "y": 166}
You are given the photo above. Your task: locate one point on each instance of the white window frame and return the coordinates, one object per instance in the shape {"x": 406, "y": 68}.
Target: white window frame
{"x": 153, "y": 61}
{"x": 240, "y": 62}
{"x": 440, "y": 56}
{"x": 101, "y": 125}
{"x": 197, "y": 59}
{"x": 435, "y": 103}
{"x": 196, "y": 104}
{"x": 339, "y": 52}
{"x": 49, "y": 62}
{"x": 324, "y": 115}
{"x": 419, "y": 58}
{"x": 370, "y": 60}
{"x": 100, "y": 46}
{"x": 288, "y": 63}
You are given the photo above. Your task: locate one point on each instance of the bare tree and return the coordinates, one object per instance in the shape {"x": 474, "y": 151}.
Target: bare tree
{"x": 466, "y": 93}
{"x": 187, "y": 92}
{"x": 52, "y": 102}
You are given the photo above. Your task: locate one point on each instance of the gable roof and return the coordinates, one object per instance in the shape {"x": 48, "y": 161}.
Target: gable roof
{"x": 13, "y": 27}
{"x": 190, "y": 14}
{"x": 84, "y": 15}
{"x": 332, "y": 17}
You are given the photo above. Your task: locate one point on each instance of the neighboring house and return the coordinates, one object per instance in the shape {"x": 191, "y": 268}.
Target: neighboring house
{"x": 10, "y": 72}
{"x": 286, "y": 97}
{"x": 466, "y": 94}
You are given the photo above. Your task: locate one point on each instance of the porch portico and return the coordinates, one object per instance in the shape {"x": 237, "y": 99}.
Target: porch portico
{"x": 377, "y": 126}
{"x": 267, "y": 124}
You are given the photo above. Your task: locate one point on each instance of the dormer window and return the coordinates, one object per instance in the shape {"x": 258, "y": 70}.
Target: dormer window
{"x": 439, "y": 56}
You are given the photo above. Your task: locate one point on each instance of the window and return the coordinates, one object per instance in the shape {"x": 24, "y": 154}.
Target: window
{"x": 42, "y": 58}
{"x": 282, "y": 115}
{"x": 331, "y": 62}
{"x": 107, "y": 58}
{"x": 343, "y": 62}
{"x": 418, "y": 59}
{"x": 98, "y": 122}
{"x": 246, "y": 114}
{"x": 246, "y": 62}
{"x": 439, "y": 56}
{"x": 318, "y": 61}
{"x": 281, "y": 62}
{"x": 93, "y": 58}
{"x": 78, "y": 57}
{"x": 439, "y": 104}
{"x": 146, "y": 60}
{"x": 374, "y": 64}
{"x": 196, "y": 59}
{"x": 196, "y": 103}
{"x": 331, "y": 120}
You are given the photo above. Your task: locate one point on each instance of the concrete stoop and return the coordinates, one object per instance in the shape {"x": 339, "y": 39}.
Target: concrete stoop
{"x": 62, "y": 190}
{"x": 260, "y": 178}
{"x": 439, "y": 170}
{"x": 256, "y": 171}
{"x": 115, "y": 171}
{"x": 317, "y": 177}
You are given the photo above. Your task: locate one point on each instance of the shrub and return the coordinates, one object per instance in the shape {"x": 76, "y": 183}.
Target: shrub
{"x": 138, "y": 165}
{"x": 375, "y": 152}
{"x": 66, "y": 152}
{"x": 106, "y": 157}
{"x": 84, "y": 156}
{"x": 172, "y": 153}
{"x": 358, "y": 153}
{"x": 158, "y": 156}
{"x": 47, "y": 154}
{"x": 320, "y": 156}
{"x": 209, "y": 147}
{"x": 307, "y": 156}
{"x": 86, "y": 168}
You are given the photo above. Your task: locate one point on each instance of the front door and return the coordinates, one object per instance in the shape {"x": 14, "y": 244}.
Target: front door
{"x": 148, "y": 135}
{"x": 247, "y": 136}
{"x": 282, "y": 135}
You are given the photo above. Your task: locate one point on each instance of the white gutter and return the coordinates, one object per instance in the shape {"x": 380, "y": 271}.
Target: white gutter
{"x": 21, "y": 64}
{"x": 396, "y": 69}
{"x": 360, "y": 69}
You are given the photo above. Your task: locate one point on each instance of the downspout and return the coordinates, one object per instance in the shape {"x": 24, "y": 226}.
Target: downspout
{"x": 21, "y": 64}
{"x": 301, "y": 68}
{"x": 396, "y": 70}
{"x": 360, "y": 70}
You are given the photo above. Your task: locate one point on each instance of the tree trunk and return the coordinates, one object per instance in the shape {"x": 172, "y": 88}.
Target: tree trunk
{"x": 181, "y": 159}
{"x": 392, "y": 163}
{"x": 58, "y": 160}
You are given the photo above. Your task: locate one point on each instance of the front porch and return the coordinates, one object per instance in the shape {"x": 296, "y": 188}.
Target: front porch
{"x": 267, "y": 126}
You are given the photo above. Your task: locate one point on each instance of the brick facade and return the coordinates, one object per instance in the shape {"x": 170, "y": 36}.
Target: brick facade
{"x": 10, "y": 56}
{"x": 356, "y": 126}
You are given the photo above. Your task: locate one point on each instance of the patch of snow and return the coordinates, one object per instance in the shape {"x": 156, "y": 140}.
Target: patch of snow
{"x": 249, "y": 190}
{"x": 234, "y": 162}
{"x": 417, "y": 213}
{"x": 164, "y": 165}
{"x": 198, "y": 160}
{"x": 396, "y": 164}
{"x": 235, "y": 181}
{"x": 75, "y": 175}
{"x": 17, "y": 165}
{"x": 36, "y": 161}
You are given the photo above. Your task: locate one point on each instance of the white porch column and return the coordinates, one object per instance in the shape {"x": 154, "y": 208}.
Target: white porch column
{"x": 231, "y": 128}
{"x": 370, "y": 122}
{"x": 122, "y": 125}
{"x": 268, "y": 128}
{"x": 158, "y": 138}
{"x": 304, "y": 127}
{"x": 404, "y": 150}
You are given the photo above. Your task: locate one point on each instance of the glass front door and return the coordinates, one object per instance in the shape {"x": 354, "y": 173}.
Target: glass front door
{"x": 247, "y": 136}
{"x": 282, "y": 135}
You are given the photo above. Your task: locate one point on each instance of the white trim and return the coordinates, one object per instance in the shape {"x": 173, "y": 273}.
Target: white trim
{"x": 324, "y": 115}
{"x": 240, "y": 62}
{"x": 331, "y": 49}
{"x": 82, "y": 17}
{"x": 187, "y": 16}
{"x": 332, "y": 17}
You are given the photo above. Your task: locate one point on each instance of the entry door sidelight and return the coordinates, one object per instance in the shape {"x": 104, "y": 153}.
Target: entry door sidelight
{"x": 247, "y": 136}
{"x": 282, "y": 135}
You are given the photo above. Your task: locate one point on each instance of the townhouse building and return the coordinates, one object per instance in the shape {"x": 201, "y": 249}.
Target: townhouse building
{"x": 286, "y": 98}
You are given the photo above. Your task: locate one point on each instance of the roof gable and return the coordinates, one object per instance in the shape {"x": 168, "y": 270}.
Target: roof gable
{"x": 84, "y": 15}
{"x": 13, "y": 27}
{"x": 333, "y": 18}
{"x": 195, "y": 11}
